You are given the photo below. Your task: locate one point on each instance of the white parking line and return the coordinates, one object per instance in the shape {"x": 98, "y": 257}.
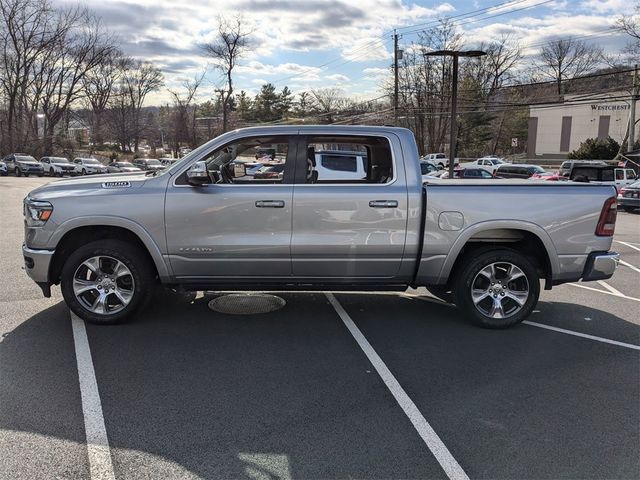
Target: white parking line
{"x": 583, "y": 335}
{"x": 603, "y": 291}
{"x": 630, "y": 245}
{"x": 426, "y": 432}
{"x": 100, "y": 464}
{"x": 610, "y": 288}
{"x": 622, "y": 262}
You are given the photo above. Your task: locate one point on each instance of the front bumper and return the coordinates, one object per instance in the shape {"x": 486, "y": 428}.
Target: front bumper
{"x": 600, "y": 266}
{"x": 36, "y": 264}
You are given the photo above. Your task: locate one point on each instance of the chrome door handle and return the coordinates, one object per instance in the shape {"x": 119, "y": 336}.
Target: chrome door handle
{"x": 270, "y": 203}
{"x": 383, "y": 204}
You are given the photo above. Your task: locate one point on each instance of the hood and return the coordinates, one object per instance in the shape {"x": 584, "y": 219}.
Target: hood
{"x": 102, "y": 184}
{"x": 28, "y": 162}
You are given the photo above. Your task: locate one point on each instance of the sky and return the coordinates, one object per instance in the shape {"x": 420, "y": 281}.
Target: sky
{"x": 346, "y": 44}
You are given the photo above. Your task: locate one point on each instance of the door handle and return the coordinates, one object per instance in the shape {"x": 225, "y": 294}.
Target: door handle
{"x": 383, "y": 204}
{"x": 270, "y": 203}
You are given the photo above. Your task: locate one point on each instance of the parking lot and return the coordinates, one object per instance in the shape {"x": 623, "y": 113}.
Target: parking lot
{"x": 343, "y": 385}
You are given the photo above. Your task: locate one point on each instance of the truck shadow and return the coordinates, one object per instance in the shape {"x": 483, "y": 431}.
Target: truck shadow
{"x": 281, "y": 395}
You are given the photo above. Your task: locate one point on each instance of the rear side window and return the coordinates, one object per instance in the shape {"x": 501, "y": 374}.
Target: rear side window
{"x": 619, "y": 174}
{"x": 348, "y": 159}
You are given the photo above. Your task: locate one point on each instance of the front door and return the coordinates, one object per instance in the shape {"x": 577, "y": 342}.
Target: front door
{"x": 239, "y": 227}
{"x": 349, "y": 228}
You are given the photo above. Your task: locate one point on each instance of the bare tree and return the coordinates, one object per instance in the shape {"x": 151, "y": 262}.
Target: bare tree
{"x": 183, "y": 118}
{"x": 630, "y": 24}
{"x": 225, "y": 50}
{"x": 137, "y": 80}
{"x": 565, "y": 59}
{"x": 98, "y": 86}
{"x": 328, "y": 102}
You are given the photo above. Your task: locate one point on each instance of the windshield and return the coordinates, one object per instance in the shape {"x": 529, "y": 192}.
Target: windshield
{"x": 59, "y": 160}
{"x": 536, "y": 169}
{"x": 124, "y": 164}
{"x": 496, "y": 161}
{"x": 90, "y": 161}
{"x": 25, "y": 158}
{"x": 153, "y": 162}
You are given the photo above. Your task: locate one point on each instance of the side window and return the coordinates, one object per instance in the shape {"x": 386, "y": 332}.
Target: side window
{"x": 631, "y": 175}
{"x": 348, "y": 159}
{"x": 619, "y": 174}
{"x": 251, "y": 161}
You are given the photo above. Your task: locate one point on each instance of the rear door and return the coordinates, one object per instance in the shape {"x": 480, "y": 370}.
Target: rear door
{"x": 346, "y": 229}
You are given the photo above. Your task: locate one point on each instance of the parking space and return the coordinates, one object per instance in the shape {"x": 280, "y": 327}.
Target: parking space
{"x": 185, "y": 392}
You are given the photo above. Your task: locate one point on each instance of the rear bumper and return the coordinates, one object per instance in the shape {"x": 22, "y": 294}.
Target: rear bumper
{"x": 600, "y": 266}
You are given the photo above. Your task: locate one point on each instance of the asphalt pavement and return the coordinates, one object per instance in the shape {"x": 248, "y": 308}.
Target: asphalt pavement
{"x": 354, "y": 385}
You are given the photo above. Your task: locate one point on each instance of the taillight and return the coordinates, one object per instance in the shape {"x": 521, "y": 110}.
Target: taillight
{"x": 607, "y": 221}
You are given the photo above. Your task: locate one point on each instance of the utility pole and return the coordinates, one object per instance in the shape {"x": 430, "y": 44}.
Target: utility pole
{"x": 455, "y": 54}
{"x": 632, "y": 114}
{"x": 395, "y": 71}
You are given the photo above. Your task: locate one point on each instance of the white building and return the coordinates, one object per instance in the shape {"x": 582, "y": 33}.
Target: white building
{"x": 556, "y": 129}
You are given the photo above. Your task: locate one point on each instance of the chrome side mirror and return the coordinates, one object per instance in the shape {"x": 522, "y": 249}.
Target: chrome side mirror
{"x": 197, "y": 175}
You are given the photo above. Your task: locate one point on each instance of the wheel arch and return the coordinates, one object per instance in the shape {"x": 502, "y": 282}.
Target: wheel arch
{"x": 83, "y": 230}
{"x": 525, "y": 237}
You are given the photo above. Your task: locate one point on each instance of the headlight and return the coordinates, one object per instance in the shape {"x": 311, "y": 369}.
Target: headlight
{"x": 36, "y": 212}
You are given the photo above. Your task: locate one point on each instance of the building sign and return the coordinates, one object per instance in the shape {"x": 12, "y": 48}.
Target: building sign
{"x": 610, "y": 107}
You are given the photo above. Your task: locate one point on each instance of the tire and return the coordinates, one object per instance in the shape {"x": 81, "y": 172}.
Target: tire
{"x": 84, "y": 172}
{"x": 52, "y": 173}
{"x": 488, "y": 272}
{"x": 442, "y": 292}
{"x": 134, "y": 283}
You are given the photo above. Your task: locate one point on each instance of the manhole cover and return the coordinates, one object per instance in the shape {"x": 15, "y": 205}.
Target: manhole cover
{"x": 246, "y": 304}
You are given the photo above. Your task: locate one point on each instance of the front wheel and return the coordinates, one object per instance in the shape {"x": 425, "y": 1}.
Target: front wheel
{"x": 497, "y": 288}
{"x": 105, "y": 281}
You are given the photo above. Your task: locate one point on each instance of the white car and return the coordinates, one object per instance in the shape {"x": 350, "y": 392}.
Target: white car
{"x": 340, "y": 165}
{"x": 57, "y": 166}
{"x": 87, "y": 166}
{"x": 118, "y": 167}
{"x": 3, "y": 169}
{"x": 489, "y": 163}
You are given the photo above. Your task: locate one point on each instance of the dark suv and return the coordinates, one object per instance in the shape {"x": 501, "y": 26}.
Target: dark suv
{"x": 568, "y": 165}
{"x": 522, "y": 171}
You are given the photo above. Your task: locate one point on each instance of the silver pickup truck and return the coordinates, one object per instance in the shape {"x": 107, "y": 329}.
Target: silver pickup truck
{"x": 215, "y": 221}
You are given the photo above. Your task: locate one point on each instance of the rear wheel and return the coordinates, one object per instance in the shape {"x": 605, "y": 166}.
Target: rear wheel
{"x": 84, "y": 172}
{"x": 497, "y": 288}
{"x": 105, "y": 281}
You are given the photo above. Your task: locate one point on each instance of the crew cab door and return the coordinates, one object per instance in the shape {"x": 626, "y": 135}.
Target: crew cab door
{"x": 349, "y": 229}
{"x": 238, "y": 228}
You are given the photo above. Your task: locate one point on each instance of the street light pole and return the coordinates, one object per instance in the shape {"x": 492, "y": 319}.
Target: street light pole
{"x": 456, "y": 54}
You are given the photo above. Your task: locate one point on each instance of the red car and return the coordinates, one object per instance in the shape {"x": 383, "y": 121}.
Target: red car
{"x": 550, "y": 176}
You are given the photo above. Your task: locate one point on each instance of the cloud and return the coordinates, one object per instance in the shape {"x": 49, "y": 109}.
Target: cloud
{"x": 338, "y": 77}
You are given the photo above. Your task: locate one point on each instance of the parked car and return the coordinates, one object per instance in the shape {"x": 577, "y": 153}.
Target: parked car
{"x": 340, "y": 165}
{"x": 548, "y": 176}
{"x": 604, "y": 175}
{"x": 470, "y": 173}
{"x": 117, "y": 167}
{"x": 3, "y": 169}
{"x": 57, "y": 166}
{"x": 428, "y": 168}
{"x": 195, "y": 228}
{"x": 267, "y": 171}
{"x": 522, "y": 171}
{"x": 629, "y": 197}
{"x": 22, "y": 164}
{"x": 489, "y": 163}
{"x": 88, "y": 166}
{"x": 149, "y": 164}
{"x": 567, "y": 165}
{"x": 439, "y": 159}
{"x": 167, "y": 161}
